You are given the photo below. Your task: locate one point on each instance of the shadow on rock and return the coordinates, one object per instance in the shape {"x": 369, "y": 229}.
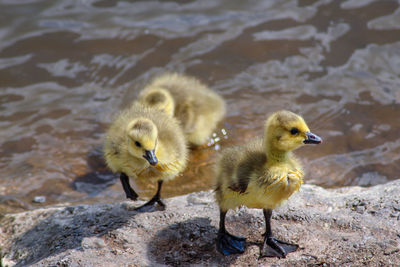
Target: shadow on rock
{"x": 65, "y": 229}
{"x": 98, "y": 178}
{"x": 188, "y": 243}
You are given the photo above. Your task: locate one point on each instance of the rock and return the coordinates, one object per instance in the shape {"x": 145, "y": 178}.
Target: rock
{"x": 360, "y": 209}
{"x": 93, "y": 243}
{"x": 39, "y": 199}
{"x": 347, "y": 226}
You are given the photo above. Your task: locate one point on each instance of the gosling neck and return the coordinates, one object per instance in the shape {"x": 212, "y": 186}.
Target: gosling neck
{"x": 276, "y": 156}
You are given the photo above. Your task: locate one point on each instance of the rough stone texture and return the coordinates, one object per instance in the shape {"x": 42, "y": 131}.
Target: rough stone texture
{"x": 348, "y": 226}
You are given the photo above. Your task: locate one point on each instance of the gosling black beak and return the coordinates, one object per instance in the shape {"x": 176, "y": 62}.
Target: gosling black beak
{"x": 150, "y": 156}
{"x": 312, "y": 139}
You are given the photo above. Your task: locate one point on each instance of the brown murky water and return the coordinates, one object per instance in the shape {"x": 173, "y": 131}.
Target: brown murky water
{"x": 66, "y": 67}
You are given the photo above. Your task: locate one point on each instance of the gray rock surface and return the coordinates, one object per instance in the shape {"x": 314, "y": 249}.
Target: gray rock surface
{"x": 348, "y": 226}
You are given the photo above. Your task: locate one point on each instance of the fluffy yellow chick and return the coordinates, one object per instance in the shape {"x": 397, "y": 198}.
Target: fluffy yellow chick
{"x": 145, "y": 143}
{"x": 197, "y": 107}
{"x": 159, "y": 98}
{"x": 262, "y": 174}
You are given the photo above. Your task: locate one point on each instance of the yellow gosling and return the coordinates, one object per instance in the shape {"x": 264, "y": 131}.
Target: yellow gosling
{"x": 262, "y": 175}
{"x": 145, "y": 143}
{"x": 159, "y": 98}
{"x": 198, "y": 108}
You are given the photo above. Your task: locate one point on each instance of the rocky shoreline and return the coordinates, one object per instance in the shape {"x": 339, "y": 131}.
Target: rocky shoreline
{"x": 347, "y": 226}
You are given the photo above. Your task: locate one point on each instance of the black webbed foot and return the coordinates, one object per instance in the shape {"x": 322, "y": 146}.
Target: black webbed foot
{"x": 273, "y": 247}
{"x": 229, "y": 244}
{"x": 152, "y": 205}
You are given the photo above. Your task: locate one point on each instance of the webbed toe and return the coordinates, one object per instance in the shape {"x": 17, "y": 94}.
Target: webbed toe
{"x": 273, "y": 247}
{"x": 151, "y": 206}
{"x": 228, "y": 244}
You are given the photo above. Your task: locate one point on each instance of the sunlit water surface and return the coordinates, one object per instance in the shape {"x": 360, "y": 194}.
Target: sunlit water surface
{"x": 67, "y": 67}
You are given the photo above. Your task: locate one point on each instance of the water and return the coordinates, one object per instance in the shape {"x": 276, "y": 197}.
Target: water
{"x": 66, "y": 67}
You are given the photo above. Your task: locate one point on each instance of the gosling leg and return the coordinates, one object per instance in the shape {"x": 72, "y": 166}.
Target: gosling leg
{"x": 273, "y": 247}
{"x": 129, "y": 192}
{"x": 151, "y": 205}
{"x": 226, "y": 243}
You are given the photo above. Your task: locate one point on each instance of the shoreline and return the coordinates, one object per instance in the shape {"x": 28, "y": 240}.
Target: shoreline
{"x": 345, "y": 226}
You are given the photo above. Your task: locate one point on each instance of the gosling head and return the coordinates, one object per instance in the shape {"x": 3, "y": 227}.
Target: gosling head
{"x": 142, "y": 139}
{"x": 158, "y": 98}
{"x": 286, "y": 131}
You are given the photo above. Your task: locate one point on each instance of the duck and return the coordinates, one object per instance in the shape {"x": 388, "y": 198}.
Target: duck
{"x": 145, "y": 143}
{"x": 198, "y": 108}
{"x": 262, "y": 174}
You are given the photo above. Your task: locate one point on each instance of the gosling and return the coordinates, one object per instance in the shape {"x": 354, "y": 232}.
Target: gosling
{"x": 262, "y": 175}
{"x": 198, "y": 108}
{"x": 145, "y": 143}
{"x": 158, "y": 98}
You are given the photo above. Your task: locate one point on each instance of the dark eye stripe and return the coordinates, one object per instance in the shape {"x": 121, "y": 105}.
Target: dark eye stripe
{"x": 138, "y": 144}
{"x": 294, "y": 131}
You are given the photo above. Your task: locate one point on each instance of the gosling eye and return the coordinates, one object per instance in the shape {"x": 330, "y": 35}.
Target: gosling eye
{"x": 294, "y": 131}
{"x": 138, "y": 144}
